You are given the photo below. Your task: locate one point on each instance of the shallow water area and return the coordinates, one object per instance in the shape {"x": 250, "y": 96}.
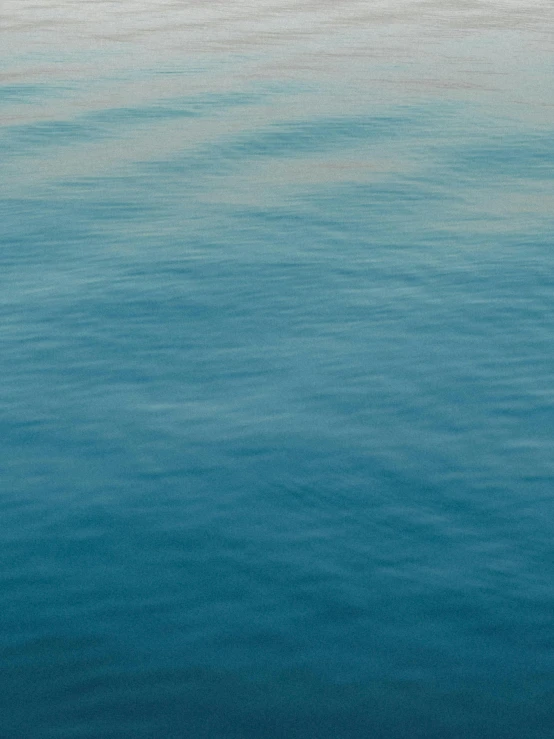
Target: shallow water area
{"x": 276, "y": 318}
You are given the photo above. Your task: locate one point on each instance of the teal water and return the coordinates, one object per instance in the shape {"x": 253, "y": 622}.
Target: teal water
{"x": 276, "y": 330}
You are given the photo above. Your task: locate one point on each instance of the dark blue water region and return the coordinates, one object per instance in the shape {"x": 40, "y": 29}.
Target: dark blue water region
{"x": 278, "y": 455}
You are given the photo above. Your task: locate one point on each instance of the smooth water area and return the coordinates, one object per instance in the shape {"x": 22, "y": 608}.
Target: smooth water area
{"x": 276, "y": 360}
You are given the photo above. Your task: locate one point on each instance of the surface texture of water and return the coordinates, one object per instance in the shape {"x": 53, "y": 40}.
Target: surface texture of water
{"x": 276, "y": 329}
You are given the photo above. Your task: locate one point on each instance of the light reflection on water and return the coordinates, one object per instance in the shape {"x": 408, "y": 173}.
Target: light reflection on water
{"x": 276, "y": 325}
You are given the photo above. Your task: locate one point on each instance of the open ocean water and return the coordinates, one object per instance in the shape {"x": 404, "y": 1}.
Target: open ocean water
{"x": 276, "y": 369}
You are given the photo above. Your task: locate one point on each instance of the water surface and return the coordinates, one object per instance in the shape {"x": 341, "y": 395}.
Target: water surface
{"x": 277, "y": 403}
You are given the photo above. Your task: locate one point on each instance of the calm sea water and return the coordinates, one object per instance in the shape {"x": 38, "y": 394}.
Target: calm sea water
{"x": 277, "y": 399}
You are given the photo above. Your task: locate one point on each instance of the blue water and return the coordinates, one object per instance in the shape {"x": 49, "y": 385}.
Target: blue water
{"x": 277, "y": 400}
